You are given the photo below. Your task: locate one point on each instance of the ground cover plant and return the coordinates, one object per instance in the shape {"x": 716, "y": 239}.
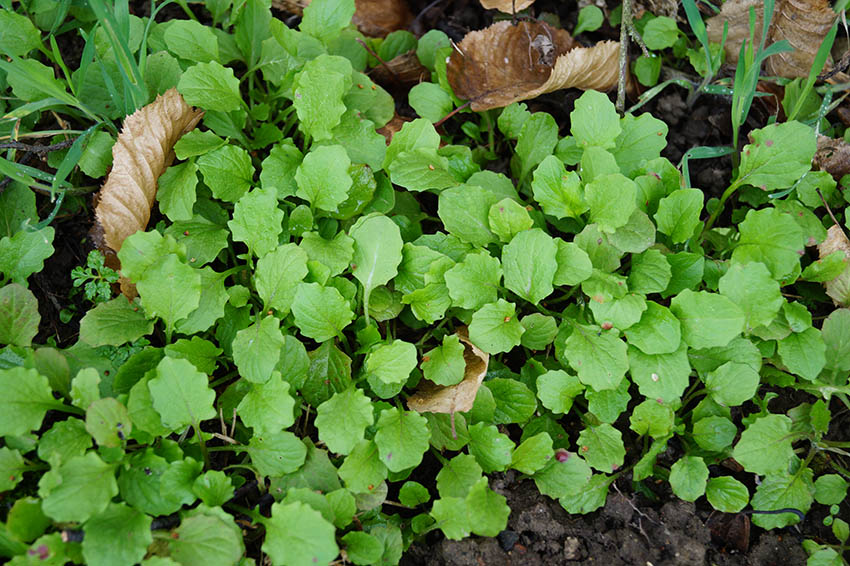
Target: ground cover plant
{"x": 312, "y": 332}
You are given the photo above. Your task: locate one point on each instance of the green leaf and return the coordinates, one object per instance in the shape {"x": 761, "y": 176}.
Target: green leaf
{"x": 678, "y": 214}
{"x": 322, "y": 177}
{"x": 191, "y": 40}
{"x": 487, "y": 511}
{"x": 276, "y": 454}
{"x": 180, "y": 394}
{"x": 726, "y": 494}
{"x": 329, "y": 372}
{"x": 342, "y": 420}
{"x": 607, "y": 405}
{"x": 210, "y": 307}
{"x": 457, "y": 476}
{"x": 642, "y": 139}
{"x": 732, "y": 384}
{"x": 318, "y": 91}
{"x": 414, "y": 493}
{"x": 474, "y": 282}
{"x": 778, "y": 156}
{"x": 803, "y": 353}
{"x": 445, "y": 364}
{"x": 377, "y": 252}
{"x": 566, "y": 474}
{"x": 508, "y": 218}
{"x": 836, "y": 335}
{"x": 652, "y": 418}
{"x": 327, "y": 19}
{"x": 12, "y": 468}
{"x": 688, "y": 477}
{"x": 320, "y": 312}
{"x": 559, "y": 192}
{"x": 277, "y": 274}
{"x": 660, "y": 33}
{"x": 85, "y": 485}
{"x": 621, "y": 313}
{"x": 594, "y": 120}
{"x": 256, "y": 349}
{"x": 772, "y": 238}
{"x": 65, "y": 440}
{"x": 24, "y": 253}
{"x": 529, "y": 263}
{"x": 119, "y": 534}
{"x": 708, "y": 320}
{"x": 26, "y": 521}
{"x": 19, "y": 316}
{"x": 26, "y": 399}
{"x": 214, "y": 488}
{"x": 363, "y": 469}
{"x": 533, "y": 453}
{"x": 556, "y": 389}
{"x": 599, "y": 357}
{"x": 611, "y": 199}
{"x": 203, "y": 239}
{"x": 210, "y": 86}
{"x": 515, "y": 402}
{"x": 257, "y": 221}
{"x": 602, "y": 447}
{"x": 465, "y": 212}
{"x": 196, "y": 142}
{"x": 714, "y": 433}
{"x": 452, "y": 517}
{"x": 830, "y": 489}
{"x": 108, "y": 422}
{"x": 278, "y": 169}
{"x": 495, "y": 328}
{"x": 751, "y": 287}
{"x": 402, "y": 438}
{"x": 657, "y": 332}
{"x": 176, "y": 191}
{"x": 268, "y": 407}
{"x": 393, "y": 362}
{"x": 650, "y": 272}
{"x": 336, "y": 254}
{"x": 430, "y": 101}
{"x": 207, "y": 538}
{"x": 574, "y": 264}
{"x": 765, "y": 446}
{"x": 228, "y": 172}
{"x": 362, "y": 548}
{"x": 170, "y": 290}
{"x": 782, "y": 491}
{"x": 540, "y": 331}
{"x": 660, "y": 376}
{"x": 114, "y": 323}
{"x": 536, "y": 141}
{"x": 18, "y": 35}
{"x": 491, "y": 449}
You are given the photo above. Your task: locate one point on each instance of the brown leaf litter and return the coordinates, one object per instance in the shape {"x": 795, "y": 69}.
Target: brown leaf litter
{"x": 804, "y": 23}
{"x": 458, "y": 398}
{"x": 375, "y": 18}
{"x": 839, "y": 288}
{"x": 506, "y": 63}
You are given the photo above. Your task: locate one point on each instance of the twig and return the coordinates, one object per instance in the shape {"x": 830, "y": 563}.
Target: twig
{"x": 40, "y": 149}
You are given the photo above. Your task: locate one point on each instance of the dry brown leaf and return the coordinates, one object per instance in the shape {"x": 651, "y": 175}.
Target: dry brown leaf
{"x": 804, "y": 23}
{"x": 458, "y": 398}
{"x": 506, "y": 63}
{"x": 375, "y": 18}
{"x": 839, "y": 288}
{"x": 506, "y": 6}
{"x": 141, "y": 154}
{"x": 833, "y": 156}
{"x": 402, "y": 71}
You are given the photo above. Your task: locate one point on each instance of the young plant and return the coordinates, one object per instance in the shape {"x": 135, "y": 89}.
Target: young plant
{"x": 95, "y": 278}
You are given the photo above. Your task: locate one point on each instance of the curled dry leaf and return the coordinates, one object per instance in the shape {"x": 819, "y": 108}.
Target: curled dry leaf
{"x": 839, "y": 288}
{"x": 506, "y": 63}
{"x": 375, "y": 18}
{"x": 804, "y": 23}
{"x": 506, "y": 6}
{"x": 140, "y": 155}
{"x": 432, "y": 398}
{"x": 833, "y": 156}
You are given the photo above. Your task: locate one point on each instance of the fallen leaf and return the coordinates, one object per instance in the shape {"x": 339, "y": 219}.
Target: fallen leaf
{"x": 506, "y": 63}
{"x": 390, "y": 129}
{"x": 140, "y": 155}
{"x": 839, "y": 288}
{"x": 458, "y": 398}
{"x": 375, "y": 18}
{"x": 506, "y": 6}
{"x": 804, "y": 23}
{"x": 402, "y": 71}
{"x": 832, "y": 156}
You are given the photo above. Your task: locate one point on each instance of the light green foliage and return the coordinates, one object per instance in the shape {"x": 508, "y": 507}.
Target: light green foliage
{"x": 210, "y": 86}
{"x": 597, "y": 356}
{"x": 342, "y": 420}
{"x": 180, "y": 395}
{"x": 495, "y": 328}
{"x": 24, "y": 253}
{"x": 268, "y": 407}
{"x": 594, "y": 120}
{"x": 26, "y": 399}
{"x": 402, "y": 438}
{"x": 320, "y": 312}
{"x": 377, "y": 253}
{"x": 444, "y": 365}
{"x": 778, "y": 156}
{"x": 708, "y": 320}
{"x": 765, "y": 446}
{"x": 678, "y": 214}
{"x": 688, "y": 477}
{"x": 323, "y": 178}
{"x": 257, "y": 221}
{"x": 529, "y": 264}
{"x": 392, "y": 363}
